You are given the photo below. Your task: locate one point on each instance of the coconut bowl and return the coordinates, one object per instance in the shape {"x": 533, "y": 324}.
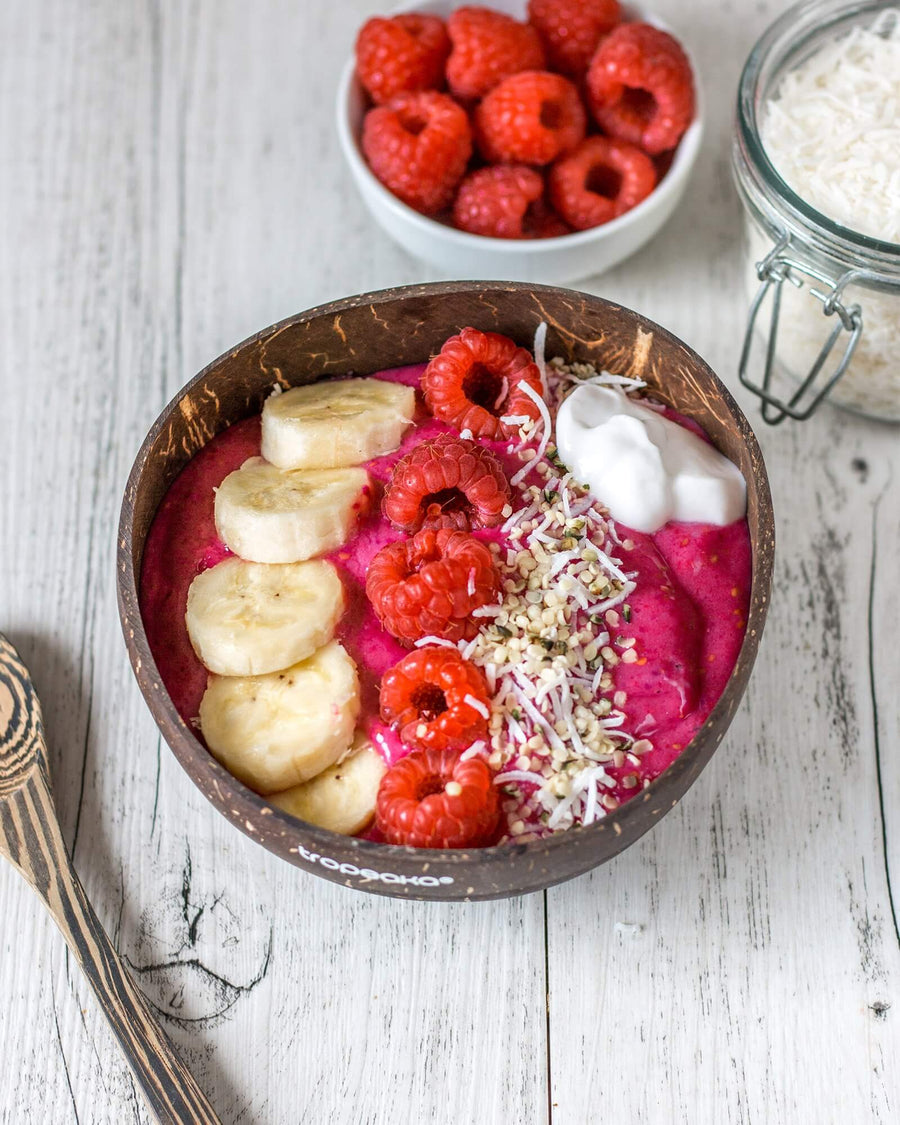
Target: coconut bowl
{"x": 391, "y": 328}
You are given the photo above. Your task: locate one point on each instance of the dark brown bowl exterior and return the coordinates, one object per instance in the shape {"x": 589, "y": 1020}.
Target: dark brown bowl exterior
{"x": 391, "y": 328}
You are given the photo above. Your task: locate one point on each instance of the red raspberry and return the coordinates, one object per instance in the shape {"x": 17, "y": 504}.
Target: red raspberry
{"x": 506, "y": 201}
{"x": 599, "y": 181}
{"x": 426, "y": 697}
{"x": 476, "y": 379}
{"x": 496, "y": 201}
{"x": 418, "y": 145}
{"x": 488, "y": 47}
{"x": 427, "y": 586}
{"x": 571, "y": 29}
{"x": 543, "y": 222}
{"x": 430, "y": 799}
{"x": 640, "y": 87}
{"x": 530, "y": 118}
{"x": 446, "y": 482}
{"x": 405, "y": 52}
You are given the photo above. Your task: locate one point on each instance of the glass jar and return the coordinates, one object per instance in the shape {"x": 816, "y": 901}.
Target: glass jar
{"x": 834, "y": 329}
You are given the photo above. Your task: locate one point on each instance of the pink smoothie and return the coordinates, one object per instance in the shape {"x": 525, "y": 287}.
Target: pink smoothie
{"x": 688, "y": 617}
{"x": 687, "y": 614}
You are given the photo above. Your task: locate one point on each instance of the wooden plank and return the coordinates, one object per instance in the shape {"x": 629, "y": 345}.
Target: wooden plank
{"x": 758, "y": 982}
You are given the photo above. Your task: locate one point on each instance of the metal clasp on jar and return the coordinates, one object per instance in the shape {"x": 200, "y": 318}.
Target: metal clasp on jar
{"x": 777, "y": 267}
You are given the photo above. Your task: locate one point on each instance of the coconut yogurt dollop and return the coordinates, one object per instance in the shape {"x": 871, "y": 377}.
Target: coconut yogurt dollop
{"x": 645, "y": 468}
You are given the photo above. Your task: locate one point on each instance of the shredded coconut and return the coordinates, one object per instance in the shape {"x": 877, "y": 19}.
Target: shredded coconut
{"x": 540, "y": 340}
{"x": 476, "y": 705}
{"x": 832, "y": 130}
{"x": 544, "y": 650}
{"x": 546, "y": 429}
{"x": 473, "y": 751}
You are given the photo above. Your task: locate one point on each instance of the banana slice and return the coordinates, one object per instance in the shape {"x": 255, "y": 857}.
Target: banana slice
{"x": 267, "y": 515}
{"x": 247, "y": 618}
{"x": 330, "y": 424}
{"x": 342, "y": 798}
{"x": 274, "y": 731}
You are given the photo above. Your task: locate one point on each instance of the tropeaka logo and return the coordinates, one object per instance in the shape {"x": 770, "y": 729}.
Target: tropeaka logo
{"x": 367, "y": 874}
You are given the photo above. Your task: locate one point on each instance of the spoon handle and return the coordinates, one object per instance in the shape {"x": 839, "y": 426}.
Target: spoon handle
{"x": 30, "y": 836}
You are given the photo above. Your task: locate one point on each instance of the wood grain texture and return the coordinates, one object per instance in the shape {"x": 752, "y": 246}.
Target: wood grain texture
{"x": 31, "y": 840}
{"x": 169, "y": 182}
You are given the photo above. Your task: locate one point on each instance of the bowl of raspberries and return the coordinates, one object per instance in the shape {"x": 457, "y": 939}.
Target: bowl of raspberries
{"x": 541, "y": 140}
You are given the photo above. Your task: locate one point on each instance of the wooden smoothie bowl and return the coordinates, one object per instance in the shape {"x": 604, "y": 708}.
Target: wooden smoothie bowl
{"x": 391, "y": 328}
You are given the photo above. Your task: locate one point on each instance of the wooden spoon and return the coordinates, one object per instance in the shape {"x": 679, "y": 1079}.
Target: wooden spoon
{"x": 31, "y": 839}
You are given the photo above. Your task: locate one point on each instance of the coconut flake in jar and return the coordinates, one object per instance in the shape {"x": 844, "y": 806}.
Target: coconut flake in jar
{"x": 832, "y": 131}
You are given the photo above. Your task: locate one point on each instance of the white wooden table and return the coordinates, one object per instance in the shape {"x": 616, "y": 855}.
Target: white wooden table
{"x": 169, "y": 182}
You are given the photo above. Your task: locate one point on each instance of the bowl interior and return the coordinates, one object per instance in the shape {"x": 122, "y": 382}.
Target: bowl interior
{"x": 352, "y": 105}
{"x": 366, "y": 334}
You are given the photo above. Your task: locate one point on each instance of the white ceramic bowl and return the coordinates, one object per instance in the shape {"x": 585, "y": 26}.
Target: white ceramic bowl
{"x": 550, "y": 260}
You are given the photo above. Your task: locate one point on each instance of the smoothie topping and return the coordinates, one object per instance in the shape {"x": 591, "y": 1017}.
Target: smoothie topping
{"x": 547, "y": 652}
{"x": 479, "y": 377}
{"x": 335, "y": 424}
{"x": 645, "y": 468}
{"x": 246, "y": 618}
{"x": 269, "y": 515}
{"x": 253, "y": 724}
{"x": 434, "y": 799}
{"x": 431, "y": 584}
{"x": 447, "y": 482}
{"x": 340, "y": 798}
{"x": 436, "y": 699}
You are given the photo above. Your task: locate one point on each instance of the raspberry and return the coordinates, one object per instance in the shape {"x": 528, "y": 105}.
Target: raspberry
{"x": 497, "y": 201}
{"x": 571, "y": 29}
{"x": 418, "y": 145}
{"x": 506, "y": 201}
{"x": 426, "y": 696}
{"x": 543, "y": 222}
{"x": 640, "y": 87}
{"x": 446, "y": 482}
{"x": 476, "y": 379}
{"x": 488, "y": 47}
{"x": 599, "y": 181}
{"x": 532, "y": 118}
{"x": 428, "y": 585}
{"x": 405, "y": 52}
{"x": 430, "y": 799}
